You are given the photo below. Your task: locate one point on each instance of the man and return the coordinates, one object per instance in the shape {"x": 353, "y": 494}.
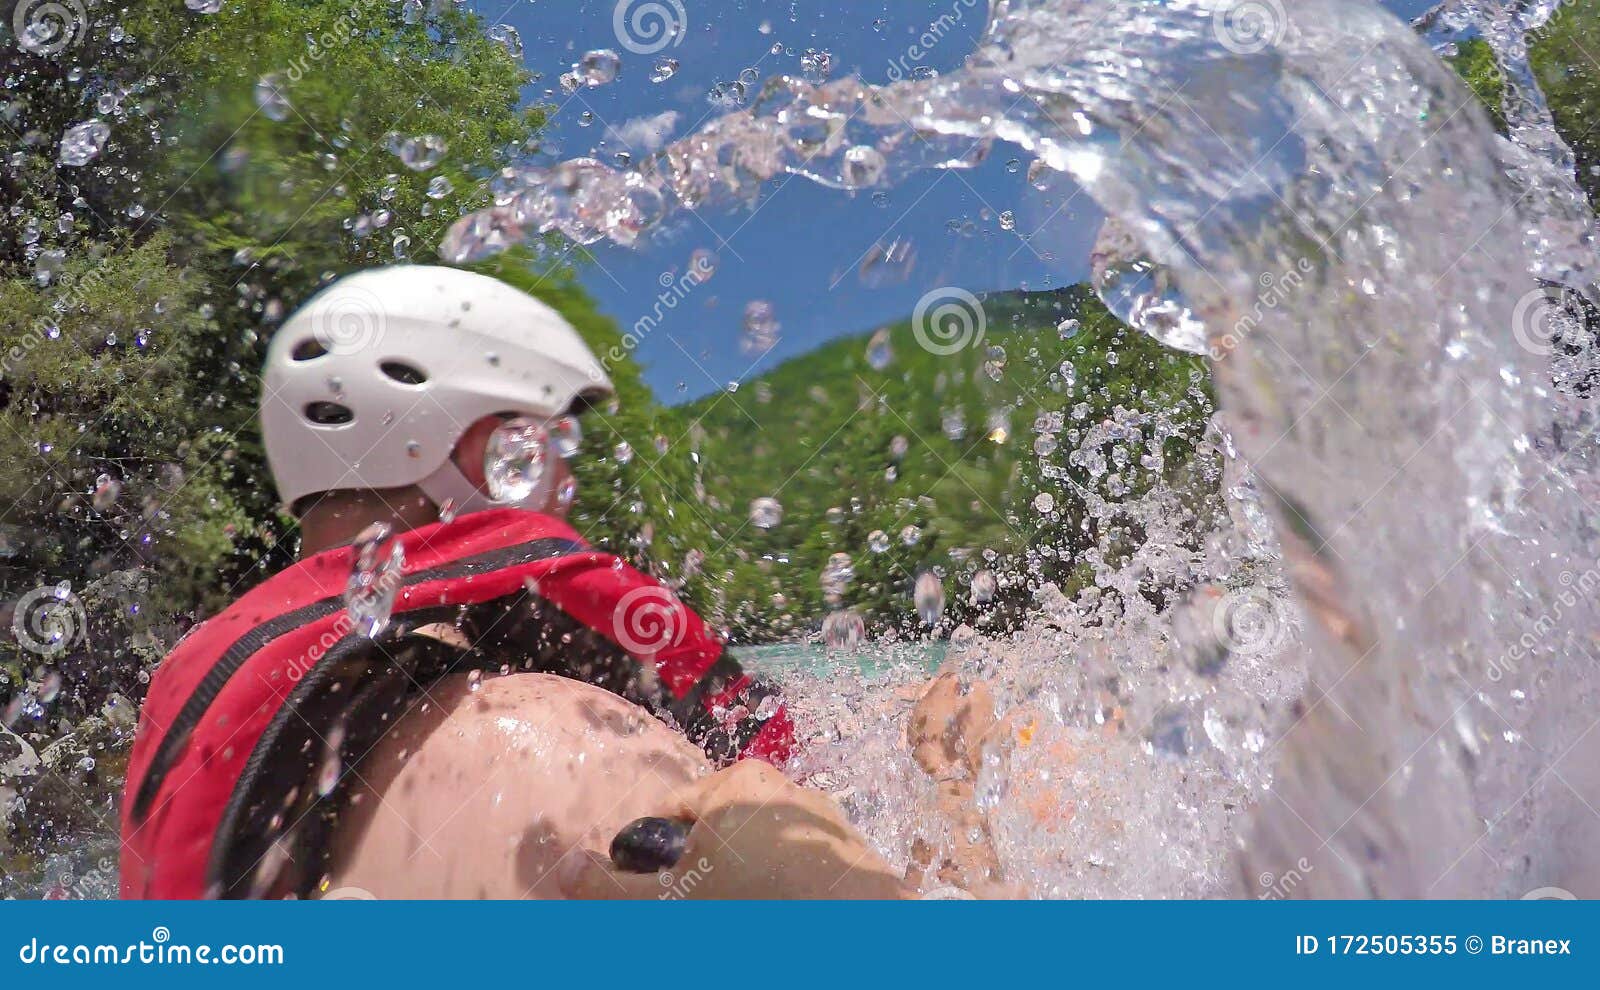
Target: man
{"x": 415, "y": 420}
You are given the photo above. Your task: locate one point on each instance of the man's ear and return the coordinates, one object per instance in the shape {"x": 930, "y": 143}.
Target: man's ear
{"x": 468, "y": 452}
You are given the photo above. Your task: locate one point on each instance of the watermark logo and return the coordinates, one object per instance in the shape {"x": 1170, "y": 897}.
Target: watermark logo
{"x": 677, "y": 886}
{"x": 1575, "y": 589}
{"x": 648, "y": 620}
{"x": 1249, "y": 622}
{"x": 647, "y": 27}
{"x": 1546, "y": 317}
{"x": 675, "y": 289}
{"x": 909, "y": 62}
{"x": 49, "y": 620}
{"x": 49, "y": 27}
{"x": 160, "y": 951}
{"x": 350, "y": 322}
{"x": 1277, "y": 887}
{"x": 1276, "y": 288}
{"x": 1248, "y": 27}
{"x": 76, "y": 291}
{"x": 948, "y": 320}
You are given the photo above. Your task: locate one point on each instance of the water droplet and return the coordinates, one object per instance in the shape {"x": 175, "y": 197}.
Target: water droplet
{"x": 877, "y": 541}
{"x": 888, "y": 263}
{"x": 879, "y": 354}
{"x": 516, "y": 461}
{"x": 508, "y": 38}
{"x": 929, "y": 598}
{"x": 376, "y": 573}
{"x": 837, "y": 575}
{"x": 765, "y": 512}
{"x": 332, "y": 765}
{"x": 203, "y": 6}
{"x": 598, "y": 67}
{"x": 419, "y": 153}
{"x": 1141, "y": 292}
{"x": 664, "y": 69}
{"x": 816, "y": 64}
{"x": 983, "y": 586}
{"x": 271, "y": 99}
{"x": 954, "y": 424}
{"x": 910, "y": 536}
{"x": 994, "y": 362}
{"x": 761, "y": 327}
{"x": 863, "y": 166}
{"x": 81, "y": 144}
{"x": 566, "y": 435}
{"x": 843, "y": 629}
{"x": 106, "y": 490}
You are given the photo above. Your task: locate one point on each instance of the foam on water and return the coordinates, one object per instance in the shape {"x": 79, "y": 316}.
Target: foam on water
{"x": 1419, "y": 722}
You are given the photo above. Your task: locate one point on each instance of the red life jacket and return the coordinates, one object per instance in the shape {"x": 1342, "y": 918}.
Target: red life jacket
{"x": 231, "y": 712}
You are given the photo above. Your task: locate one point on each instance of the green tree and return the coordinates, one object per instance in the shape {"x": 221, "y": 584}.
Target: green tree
{"x": 248, "y": 157}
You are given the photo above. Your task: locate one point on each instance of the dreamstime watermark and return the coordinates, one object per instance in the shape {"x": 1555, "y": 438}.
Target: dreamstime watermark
{"x": 907, "y": 62}
{"x": 382, "y": 588}
{"x": 1275, "y": 887}
{"x": 1531, "y": 37}
{"x": 159, "y": 951}
{"x": 49, "y": 27}
{"x": 1247, "y": 27}
{"x": 1276, "y": 289}
{"x": 345, "y": 29}
{"x": 648, "y": 620}
{"x": 1250, "y": 622}
{"x": 44, "y": 329}
{"x": 947, "y": 320}
{"x": 349, "y": 321}
{"x": 674, "y": 290}
{"x": 92, "y": 884}
{"x": 1549, "y": 894}
{"x": 1549, "y": 316}
{"x": 49, "y": 620}
{"x": 1575, "y": 588}
{"x": 645, "y": 27}
{"x": 678, "y": 885}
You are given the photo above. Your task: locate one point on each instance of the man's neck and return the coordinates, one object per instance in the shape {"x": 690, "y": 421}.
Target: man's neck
{"x": 337, "y": 518}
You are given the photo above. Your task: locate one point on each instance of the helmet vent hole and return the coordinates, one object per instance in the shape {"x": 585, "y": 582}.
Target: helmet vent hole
{"x": 307, "y": 349}
{"x": 329, "y": 413}
{"x": 403, "y": 373}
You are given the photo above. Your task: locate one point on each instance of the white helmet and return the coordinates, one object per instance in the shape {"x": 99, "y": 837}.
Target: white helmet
{"x": 372, "y": 382}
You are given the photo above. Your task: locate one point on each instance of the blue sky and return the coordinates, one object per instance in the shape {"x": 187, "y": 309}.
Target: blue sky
{"x": 800, "y": 246}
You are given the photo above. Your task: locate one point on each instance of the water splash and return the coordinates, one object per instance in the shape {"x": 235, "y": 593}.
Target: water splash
{"x": 1408, "y": 461}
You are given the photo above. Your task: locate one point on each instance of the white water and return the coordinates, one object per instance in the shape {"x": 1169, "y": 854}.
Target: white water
{"x": 1425, "y": 483}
